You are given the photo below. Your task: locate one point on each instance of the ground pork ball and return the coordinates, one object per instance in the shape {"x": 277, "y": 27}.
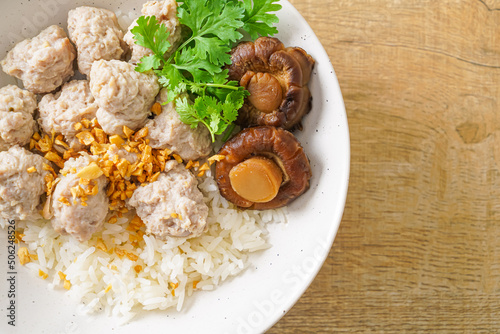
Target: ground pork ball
{"x": 124, "y": 96}
{"x": 44, "y": 62}
{"x": 166, "y": 13}
{"x": 21, "y": 183}
{"x": 16, "y": 116}
{"x": 96, "y": 34}
{"x": 61, "y": 111}
{"x": 168, "y": 131}
{"x": 172, "y": 205}
{"x": 70, "y": 216}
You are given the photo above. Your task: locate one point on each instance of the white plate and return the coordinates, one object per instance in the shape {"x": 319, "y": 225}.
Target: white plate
{"x": 255, "y": 300}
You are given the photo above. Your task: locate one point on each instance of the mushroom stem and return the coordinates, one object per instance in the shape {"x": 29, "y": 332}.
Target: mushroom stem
{"x": 256, "y": 179}
{"x": 265, "y": 92}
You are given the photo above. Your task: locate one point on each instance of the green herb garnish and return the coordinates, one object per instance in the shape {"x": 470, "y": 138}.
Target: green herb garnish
{"x": 257, "y": 20}
{"x": 196, "y": 68}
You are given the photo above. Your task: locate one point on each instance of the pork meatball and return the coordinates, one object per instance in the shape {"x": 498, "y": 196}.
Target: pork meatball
{"x": 72, "y": 214}
{"x": 61, "y": 111}
{"x": 16, "y": 116}
{"x": 168, "y": 131}
{"x": 21, "y": 183}
{"x": 166, "y": 14}
{"x": 124, "y": 96}
{"x": 96, "y": 34}
{"x": 44, "y": 62}
{"x": 172, "y": 205}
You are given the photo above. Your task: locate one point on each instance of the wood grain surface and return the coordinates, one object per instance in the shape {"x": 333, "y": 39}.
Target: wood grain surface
{"x": 418, "y": 250}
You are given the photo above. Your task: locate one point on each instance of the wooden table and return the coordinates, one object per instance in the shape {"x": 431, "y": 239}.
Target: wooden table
{"x": 418, "y": 250}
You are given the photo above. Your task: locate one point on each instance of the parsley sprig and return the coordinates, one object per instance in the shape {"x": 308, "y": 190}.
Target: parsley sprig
{"x": 257, "y": 20}
{"x": 196, "y": 68}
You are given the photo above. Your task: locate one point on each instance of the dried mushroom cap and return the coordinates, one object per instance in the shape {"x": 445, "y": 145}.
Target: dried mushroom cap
{"x": 275, "y": 144}
{"x": 276, "y": 78}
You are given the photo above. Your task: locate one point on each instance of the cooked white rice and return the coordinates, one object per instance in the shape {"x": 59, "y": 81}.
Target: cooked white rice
{"x": 170, "y": 271}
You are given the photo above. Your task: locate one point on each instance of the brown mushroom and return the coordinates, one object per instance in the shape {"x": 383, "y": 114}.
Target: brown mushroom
{"x": 276, "y": 78}
{"x": 263, "y": 168}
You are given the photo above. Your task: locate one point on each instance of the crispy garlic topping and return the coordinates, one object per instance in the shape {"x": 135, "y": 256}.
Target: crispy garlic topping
{"x": 123, "y": 175}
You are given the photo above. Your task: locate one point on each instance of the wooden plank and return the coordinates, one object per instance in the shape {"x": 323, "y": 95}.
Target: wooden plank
{"x": 418, "y": 249}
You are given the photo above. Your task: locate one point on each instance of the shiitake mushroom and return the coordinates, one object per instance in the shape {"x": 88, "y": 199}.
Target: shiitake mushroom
{"x": 277, "y": 79}
{"x": 263, "y": 168}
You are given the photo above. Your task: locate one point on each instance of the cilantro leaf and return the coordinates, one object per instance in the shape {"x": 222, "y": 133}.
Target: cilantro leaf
{"x": 154, "y": 36}
{"x": 214, "y": 24}
{"x": 216, "y": 124}
{"x": 222, "y": 90}
{"x": 257, "y": 20}
{"x": 234, "y": 101}
{"x": 216, "y": 50}
{"x": 187, "y": 112}
{"x": 147, "y": 63}
{"x": 225, "y": 26}
{"x": 188, "y": 61}
{"x": 170, "y": 77}
{"x": 216, "y": 115}
{"x": 198, "y": 88}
